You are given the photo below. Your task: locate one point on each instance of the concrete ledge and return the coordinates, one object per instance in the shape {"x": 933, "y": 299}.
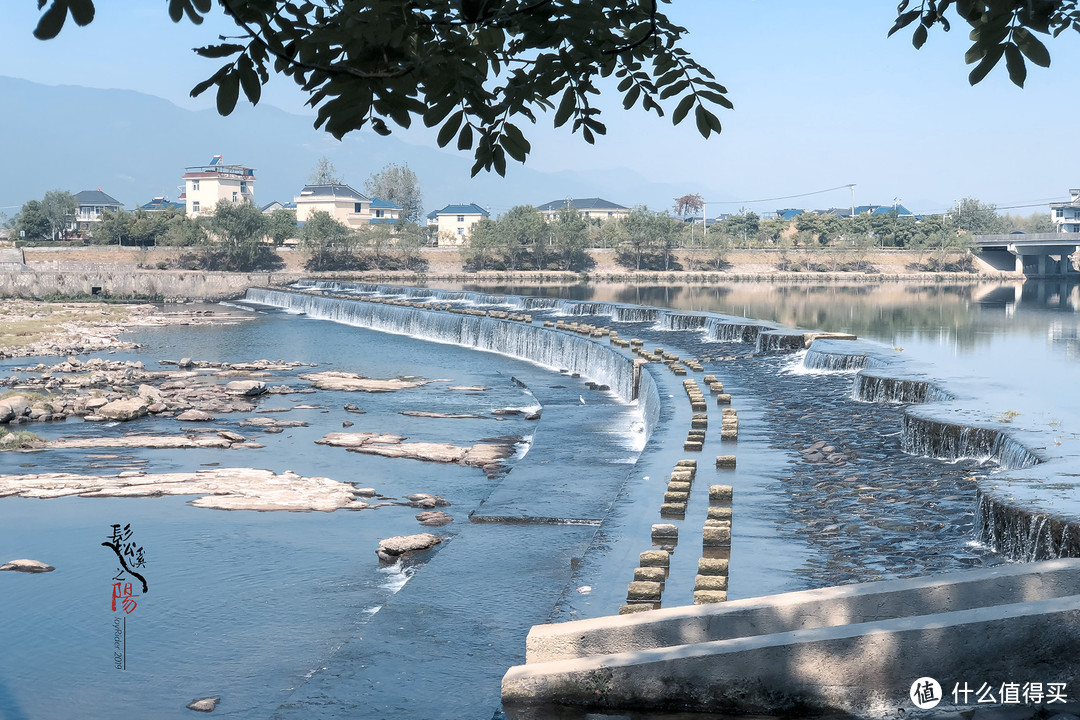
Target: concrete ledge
{"x": 864, "y": 669}
{"x": 788, "y": 612}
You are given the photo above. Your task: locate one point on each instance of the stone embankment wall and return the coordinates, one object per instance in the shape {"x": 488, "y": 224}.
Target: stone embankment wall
{"x": 136, "y": 284}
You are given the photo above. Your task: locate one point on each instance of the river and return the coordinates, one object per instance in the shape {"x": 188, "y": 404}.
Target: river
{"x": 290, "y": 615}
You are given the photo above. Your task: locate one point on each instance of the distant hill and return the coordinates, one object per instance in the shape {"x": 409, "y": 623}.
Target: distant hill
{"x": 135, "y": 146}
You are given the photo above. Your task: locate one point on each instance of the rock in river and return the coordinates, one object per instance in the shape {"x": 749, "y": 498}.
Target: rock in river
{"x": 124, "y": 410}
{"x": 393, "y": 548}
{"x": 27, "y": 566}
{"x": 206, "y": 704}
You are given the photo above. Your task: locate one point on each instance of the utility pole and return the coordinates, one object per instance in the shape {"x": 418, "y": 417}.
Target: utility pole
{"x": 852, "y": 188}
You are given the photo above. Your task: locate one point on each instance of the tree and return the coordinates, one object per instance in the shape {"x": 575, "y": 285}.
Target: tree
{"x": 324, "y": 173}
{"x": 743, "y": 225}
{"x": 238, "y": 230}
{"x": 398, "y": 184}
{"x": 114, "y": 229}
{"x": 58, "y": 207}
{"x": 31, "y": 223}
{"x": 281, "y": 226}
{"x": 689, "y": 205}
{"x": 521, "y": 231}
{"x": 978, "y": 218}
{"x": 327, "y": 241}
{"x": 482, "y": 246}
{"x": 570, "y": 236}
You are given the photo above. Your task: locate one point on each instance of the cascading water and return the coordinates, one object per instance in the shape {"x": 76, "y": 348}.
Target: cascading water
{"x": 771, "y": 342}
{"x": 874, "y": 388}
{"x": 554, "y": 349}
{"x": 937, "y": 438}
{"x": 723, "y": 330}
{"x": 674, "y": 321}
{"x": 635, "y": 314}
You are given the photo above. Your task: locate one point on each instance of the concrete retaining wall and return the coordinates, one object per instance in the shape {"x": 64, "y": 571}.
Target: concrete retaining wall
{"x": 137, "y": 284}
{"x": 854, "y": 648}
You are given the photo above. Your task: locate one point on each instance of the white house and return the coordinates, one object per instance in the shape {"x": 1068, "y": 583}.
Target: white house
{"x": 455, "y": 222}
{"x": 207, "y": 185}
{"x": 344, "y": 204}
{"x": 597, "y": 209}
{"x": 90, "y": 206}
{"x": 1066, "y": 215}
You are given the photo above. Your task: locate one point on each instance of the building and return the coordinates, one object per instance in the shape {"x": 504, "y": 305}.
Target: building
{"x": 162, "y": 203}
{"x": 1066, "y": 215}
{"x": 269, "y": 208}
{"x": 344, "y": 204}
{"x": 455, "y": 222}
{"x": 207, "y": 185}
{"x": 591, "y": 208}
{"x": 90, "y": 204}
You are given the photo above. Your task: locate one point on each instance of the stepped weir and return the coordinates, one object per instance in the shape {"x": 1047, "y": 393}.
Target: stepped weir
{"x": 851, "y": 649}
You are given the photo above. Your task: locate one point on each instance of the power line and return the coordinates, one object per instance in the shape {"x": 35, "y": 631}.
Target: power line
{"x": 785, "y": 197}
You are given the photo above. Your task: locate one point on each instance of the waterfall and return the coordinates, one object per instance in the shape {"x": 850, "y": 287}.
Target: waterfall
{"x": 949, "y": 440}
{"x": 816, "y": 359}
{"x": 595, "y": 360}
{"x": 879, "y": 388}
{"x": 1022, "y": 534}
{"x": 674, "y": 321}
{"x": 723, "y": 329}
{"x": 636, "y": 313}
{"x": 779, "y": 341}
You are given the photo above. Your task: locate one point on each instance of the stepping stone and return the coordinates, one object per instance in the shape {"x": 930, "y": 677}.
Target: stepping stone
{"x": 706, "y": 597}
{"x": 710, "y": 582}
{"x": 726, "y": 462}
{"x": 720, "y": 494}
{"x": 712, "y": 566}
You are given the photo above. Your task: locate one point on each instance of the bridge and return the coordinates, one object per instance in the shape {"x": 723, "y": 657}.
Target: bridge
{"x": 1033, "y": 254}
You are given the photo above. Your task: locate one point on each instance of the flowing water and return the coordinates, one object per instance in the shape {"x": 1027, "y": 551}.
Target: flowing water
{"x": 290, "y": 615}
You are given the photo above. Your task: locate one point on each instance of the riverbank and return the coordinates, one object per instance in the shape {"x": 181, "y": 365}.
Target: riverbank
{"x": 151, "y": 274}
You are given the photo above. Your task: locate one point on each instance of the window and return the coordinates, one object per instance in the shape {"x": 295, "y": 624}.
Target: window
{"x": 461, "y": 218}
{"x": 358, "y": 207}
{"x": 587, "y": 213}
{"x": 1059, "y": 213}
{"x": 461, "y": 232}
{"x": 234, "y": 197}
{"x": 243, "y": 187}
{"x": 194, "y": 185}
{"x": 378, "y": 213}
{"x": 195, "y": 206}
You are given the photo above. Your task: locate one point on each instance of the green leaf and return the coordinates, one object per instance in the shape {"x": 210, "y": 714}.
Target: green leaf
{"x": 450, "y": 128}
{"x": 249, "y": 79}
{"x": 228, "y": 92}
{"x": 1032, "y": 47}
{"x": 918, "y": 38}
{"x": 974, "y": 54}
{"x": 707, "y": 123}
{"x": 464, "y": 141}
{"x": 82, "y": 11}
{"x": 1014, "y": 63}
{"x": 566, "y": 107}
{"x": 682, "y": 109}
{"x": 52, "y": 21}
{"x": 219, "y": 51}
{"x": 631, "y": 97}
{"x": 986, "y": 65}
{"x": 379, "y": 126}
{"x": 904, "y": 20}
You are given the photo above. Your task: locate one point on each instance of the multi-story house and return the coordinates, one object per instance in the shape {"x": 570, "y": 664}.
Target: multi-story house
{"x": 593, "y": 209}
{"x": 1066, "y": 215}
{"x": 455, "y": 222}
{"x": 207, "y": 185}
{"x": 90, "y": 205}
{"x": 345, "y": 205}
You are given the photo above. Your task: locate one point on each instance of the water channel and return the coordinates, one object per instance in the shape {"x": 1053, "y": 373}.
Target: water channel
{"x": 290, "y": 615}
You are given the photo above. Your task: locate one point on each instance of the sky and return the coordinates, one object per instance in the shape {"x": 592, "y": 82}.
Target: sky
{"x": 823, "y": 99}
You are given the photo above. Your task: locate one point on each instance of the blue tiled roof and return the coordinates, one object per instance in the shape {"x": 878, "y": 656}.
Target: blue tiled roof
{"x": 95, "y": 197}
{"x": 789, "y": 213}
{"x": 470, "y": 209}
{"x": 162, "y": 204}
{"x": 377, "y": 204}
{"x": 593, "y": 203}
{"x": 333, "y": 191}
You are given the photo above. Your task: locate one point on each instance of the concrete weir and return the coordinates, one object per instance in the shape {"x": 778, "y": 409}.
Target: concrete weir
{"x": 854, "y": 649}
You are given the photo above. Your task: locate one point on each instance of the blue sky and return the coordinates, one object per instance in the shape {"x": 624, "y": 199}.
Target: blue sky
{"x": 822, "y": 99}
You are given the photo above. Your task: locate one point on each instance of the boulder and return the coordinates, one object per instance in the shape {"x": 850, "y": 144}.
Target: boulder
{"x": 149, "y": 392}
{"x": 206, "y": 704}
{"x": 245, "y": 387}
{"x": 425, "y": 501}
{"x": 27, "y": 566}
{"x": 123, "y": 410}
{"x": 194, "y": 416}
{"x": 18, "y": 405}
{"x": 396, "y": 547}
{"x": 185, "y": 363}
{"x": 434, "y": 518}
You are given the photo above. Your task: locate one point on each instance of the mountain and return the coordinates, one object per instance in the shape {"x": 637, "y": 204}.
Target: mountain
{"x": 135, "y": 146}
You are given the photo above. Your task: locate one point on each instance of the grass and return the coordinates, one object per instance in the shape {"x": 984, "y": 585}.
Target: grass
{"x": 14, "y": 440}
{"x": 46, "y": 320}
